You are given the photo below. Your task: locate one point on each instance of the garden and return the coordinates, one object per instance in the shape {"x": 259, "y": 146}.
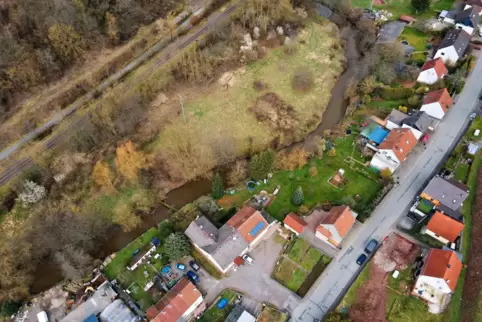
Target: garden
{"x": 220, "y": 309}
{"x": 135, "y": 281}
{"x": 270, "y": 314}
{"x": 299, "y": 266}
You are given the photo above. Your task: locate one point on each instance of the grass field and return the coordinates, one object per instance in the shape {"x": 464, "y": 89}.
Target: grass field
{"x": 415, "y": 38}
{"x": 210, "y": 115}
{"x": 461, "y": 172}
{"x": 361, "y": 3}
{"x": 311, "y": 258}
{"x": 386, "y": 106}
{"x": 404, "y": 7}
{"x": 213, "y": 314}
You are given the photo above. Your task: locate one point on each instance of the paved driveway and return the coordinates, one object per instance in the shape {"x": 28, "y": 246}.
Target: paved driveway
{"x": 255, "y": 280}
{"x": 390, "y": 31}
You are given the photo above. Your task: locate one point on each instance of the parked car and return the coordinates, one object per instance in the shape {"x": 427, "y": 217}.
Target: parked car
{"x": 248, "y": 259}
{"x": 194, "y": 265}
{"x": 371, "y": 246}
{"x": 361, "y": 259}
{"x": 193, "y": 277}
{"x": 181, "y": 267}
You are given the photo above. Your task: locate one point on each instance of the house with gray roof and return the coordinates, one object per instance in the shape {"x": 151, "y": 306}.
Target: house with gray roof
{"x": 222, "y": 246}
{"x": 468, "y": 19}
{"x": 453, "y": 46}
{"x": 447, "y": 195}
{"x": 418, "y": 122}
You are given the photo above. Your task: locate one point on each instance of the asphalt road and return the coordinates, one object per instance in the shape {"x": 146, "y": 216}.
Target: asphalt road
{"x": 415, "y": 173}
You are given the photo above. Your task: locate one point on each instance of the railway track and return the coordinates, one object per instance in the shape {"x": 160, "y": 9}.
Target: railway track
{"x": 25, "y": 163}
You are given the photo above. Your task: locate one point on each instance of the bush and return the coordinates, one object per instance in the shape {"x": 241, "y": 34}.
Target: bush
{"x": 303, "y": 79}
{"x": 414, "y": 101}
{"x": 177, "y": 246}
{"x": 367, "y": 99}
{"x": 297, "y": 197}
{"x": 261, "y": 164}
{"x": 403, "y": 109}
{"x": 217, "y": 186}
{"x": 9, "y": 308}
{"x": 398, "y": 93}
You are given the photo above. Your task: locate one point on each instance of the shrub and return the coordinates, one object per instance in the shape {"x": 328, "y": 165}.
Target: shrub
{"x": 177, "y": 246}
{"x": 367, "y": 99}
{"x": 303, "y": 79}
{"x": 396, "y": 93}
{"x": 403, "y": 109}
{"x": 414, "y": 101}
{"x": 261, "y": 164}
{"x": 217, "y": 187}
{"x": 297, "y": 197}
{"x": 332, "y": 152}
{"x": 313, "y": 171}
{"x": 31, "y": 194}
{"x": 303, "y": 209}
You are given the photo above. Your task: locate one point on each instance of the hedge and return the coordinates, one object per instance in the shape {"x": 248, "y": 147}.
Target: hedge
{"x": 396, "y": 93}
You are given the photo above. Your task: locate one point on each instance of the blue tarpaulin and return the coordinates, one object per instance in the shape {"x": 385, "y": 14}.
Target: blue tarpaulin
{"x": 375, "y": 132}
{"x": 91, "y": 318}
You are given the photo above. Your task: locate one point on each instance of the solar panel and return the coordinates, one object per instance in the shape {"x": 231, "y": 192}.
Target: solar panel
{"x": 256, "y": 229}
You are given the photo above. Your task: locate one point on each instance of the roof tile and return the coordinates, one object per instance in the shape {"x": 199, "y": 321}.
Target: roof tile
{"x": 295, "y": 222}
{"x": 442, "y": 263}
{"x": 445, "y": 226}
{"x": 401, "y": 141}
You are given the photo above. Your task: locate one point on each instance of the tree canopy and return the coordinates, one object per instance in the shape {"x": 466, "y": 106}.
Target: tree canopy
{"x": 177, "y": 246}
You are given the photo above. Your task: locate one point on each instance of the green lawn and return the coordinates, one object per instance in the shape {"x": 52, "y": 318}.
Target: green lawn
{"x": 361, "y": 3}
{"x": 284, "y": 272}
{"x": 425, "y": 206}
{"x": 404, "y": 7}
{"x": 476, "y": 124}
{"x": 415, "y": 38}
{"x": 213, "y": 314}
{"x": 407, "y": 308}
{"x": 386, "y": 106}
{"x": 462, "y": 172}
{"x": 311, "y": 258}
{"x": 298, "y": 250}
{"x": 296, "y": 280}
{"x": 403, "y": 283}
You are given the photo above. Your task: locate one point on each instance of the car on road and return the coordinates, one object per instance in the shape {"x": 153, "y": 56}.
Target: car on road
{"x": 193, "y": 277}
{"x": 361, "y": 259}
{"x": 194, "y": 265}
{"x": 248, "y": 259}
{"x": 371, "y": 246}
{"x": 424, "y": 138}
{"x": 181, "y": 267}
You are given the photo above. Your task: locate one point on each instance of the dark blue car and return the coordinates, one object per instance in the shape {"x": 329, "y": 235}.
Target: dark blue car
{"x": 361, "y": 259}
{"x": 193, "y": 277}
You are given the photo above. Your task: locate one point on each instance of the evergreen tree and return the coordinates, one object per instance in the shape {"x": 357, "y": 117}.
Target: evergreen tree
{"x": 218, "y": 186}
{"x": 261, "y": 164}
{"x": 177, "y": 246}
{"x": 297, "y": 197}
{"x": 421, "y": 5}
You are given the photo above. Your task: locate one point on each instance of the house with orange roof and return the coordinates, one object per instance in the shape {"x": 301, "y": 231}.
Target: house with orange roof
{"x": 394, "y": 149}
{"x": 443, "y": 228}
{"x": 336, "y": 225}
{"x": 183, "y": 302}
{"x": 432, "y": 71}
{"x": 222, "y": 246}
{"x": 437, "y": 103}
{"x": 295, "y": 223}
{"x": 438, "y": 278}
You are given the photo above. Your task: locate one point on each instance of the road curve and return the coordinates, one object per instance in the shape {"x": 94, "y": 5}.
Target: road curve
{"x": 20, "y": 165}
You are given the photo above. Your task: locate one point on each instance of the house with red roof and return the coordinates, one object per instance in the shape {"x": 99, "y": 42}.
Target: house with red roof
{"x": 438, "y": 278}
{"x": 221, "y": 246}
{"x": 437, "y": 103}
{"x": 394, "y": 149}
{"x": 183, "y": 302}
{"x": 443, "y": 228}
{"x": 336, "y": 225}
{"x": 432, "y": 71}
{"x": 295, "y": 223}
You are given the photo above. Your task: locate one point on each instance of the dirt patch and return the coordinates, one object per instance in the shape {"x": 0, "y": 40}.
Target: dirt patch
{"x": 473, "y": 282}
{"x": 278, "y": 114}
{"x": 395, "y": 253}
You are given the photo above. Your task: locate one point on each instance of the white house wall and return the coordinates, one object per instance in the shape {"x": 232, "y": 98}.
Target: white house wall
{"x": 390, "y": 125}
{"x": 448, "y": 54}
{"x": 428, "y": 76}
{"x": 467, "y": 29}
{"x": 434, "y": 235}
{"x": 415, "y": 132}
{"x": 190, "y": 311}
{"x": 381, "y": 160}
{"x": 434, "y": 110}
{"x": 291, "y": 229}
{"x": 335, "y": 236}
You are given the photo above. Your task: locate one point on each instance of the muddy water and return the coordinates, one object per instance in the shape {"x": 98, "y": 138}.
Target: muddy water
{"x": 48, "y": 274}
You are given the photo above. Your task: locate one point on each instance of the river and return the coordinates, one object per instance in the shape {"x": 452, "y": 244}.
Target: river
{"x": 48, "y": 274}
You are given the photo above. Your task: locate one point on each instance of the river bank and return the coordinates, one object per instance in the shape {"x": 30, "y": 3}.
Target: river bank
{"x": 47, "y": 273}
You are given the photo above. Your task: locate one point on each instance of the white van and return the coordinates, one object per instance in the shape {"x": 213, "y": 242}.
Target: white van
{"x": 42, "y": 317}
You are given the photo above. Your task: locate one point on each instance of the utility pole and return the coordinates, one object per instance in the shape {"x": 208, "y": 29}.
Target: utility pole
{"x": 182, "y": 108}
